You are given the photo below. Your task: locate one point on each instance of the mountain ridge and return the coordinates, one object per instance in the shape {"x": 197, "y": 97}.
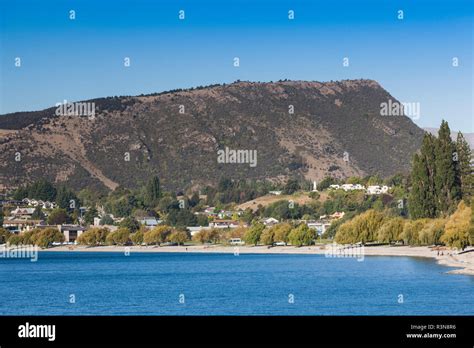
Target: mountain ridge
{"x": 336, "y": 129}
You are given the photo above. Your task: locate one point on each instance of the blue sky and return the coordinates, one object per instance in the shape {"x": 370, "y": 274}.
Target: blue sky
{"x": 83, "y": 58}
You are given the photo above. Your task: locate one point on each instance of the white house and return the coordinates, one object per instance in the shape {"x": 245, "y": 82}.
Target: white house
{"x": 195, "y": 229}
{"x": 224, "y": 224}
{"x": 352, "y": 187}
{"x": 377, "y": 190}
{"x": 319, "y": 226}
{"x": 22, "y": 213}
{"x": 270, "y": 221}
{"x": 150, "y": 222}
{"x": 275, "y": 193}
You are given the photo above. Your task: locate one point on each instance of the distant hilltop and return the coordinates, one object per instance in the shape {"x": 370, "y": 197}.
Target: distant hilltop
{"x": 301, "y": 129}
{"x": 468, "y": 136}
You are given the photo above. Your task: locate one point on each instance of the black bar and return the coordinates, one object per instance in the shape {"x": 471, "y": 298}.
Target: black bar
{"x": 223, "y": 330}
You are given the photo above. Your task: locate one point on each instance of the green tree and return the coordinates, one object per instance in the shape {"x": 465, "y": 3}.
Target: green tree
{"x": 194, "y": 199}
{"x": 181, "y": 217}
{"x": 106, "y": 220}
{"x": 4, "y": 235}
{"x": 89, "y": 216}
{"x": 153, "y": 192}
{"x": 281, "y": 232}
{"x": 131, "y": 223}
{"x": 464, "y": 168}
{"x": 202, "y": 220}
{"x": 38, "y": 214}
{"x": 43, "y": 190}
{"x": 291, "y": 187}
{"x": 422, "y": 200}
{"x": 66, "y": 199}
{"x": 326, "y": 182}
{"x": 267, "y": 236}
{"x": 58, "y": 217}
{"x": 302, "y": 235}
{"x": 446, "y": 183}
{"x": 252, "y": 235}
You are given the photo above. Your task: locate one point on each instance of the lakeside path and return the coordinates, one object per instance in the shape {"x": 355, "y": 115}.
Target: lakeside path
{"x": 464, "y": 263}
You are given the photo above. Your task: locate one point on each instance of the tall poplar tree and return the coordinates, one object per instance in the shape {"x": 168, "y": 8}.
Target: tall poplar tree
{"x": 422, "y": 201}
{"x": 153, "y": 192}
{"x": 446, "y": 183}
{"x": 464, "y": 169}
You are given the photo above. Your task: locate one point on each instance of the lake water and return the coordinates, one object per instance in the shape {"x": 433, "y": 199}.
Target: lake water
{"x": 224, "y": 284}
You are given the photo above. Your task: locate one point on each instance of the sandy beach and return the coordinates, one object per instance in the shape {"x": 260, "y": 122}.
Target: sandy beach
{"x": 464, "y": 263}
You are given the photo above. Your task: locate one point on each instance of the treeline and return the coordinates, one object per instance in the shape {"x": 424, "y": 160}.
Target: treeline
{"x": 40, "y": 237}
{"x": 297, "y": 235}
{"x": 149, "y": 200}
{"x": 43, "y": 190}
{"x": 455, "y": 231}
{"x": 257, "y": 233}
{"x": 124, "y": 236}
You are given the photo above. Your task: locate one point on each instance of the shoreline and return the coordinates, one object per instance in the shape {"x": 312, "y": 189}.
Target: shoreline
{"x": 464, "y": 263}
